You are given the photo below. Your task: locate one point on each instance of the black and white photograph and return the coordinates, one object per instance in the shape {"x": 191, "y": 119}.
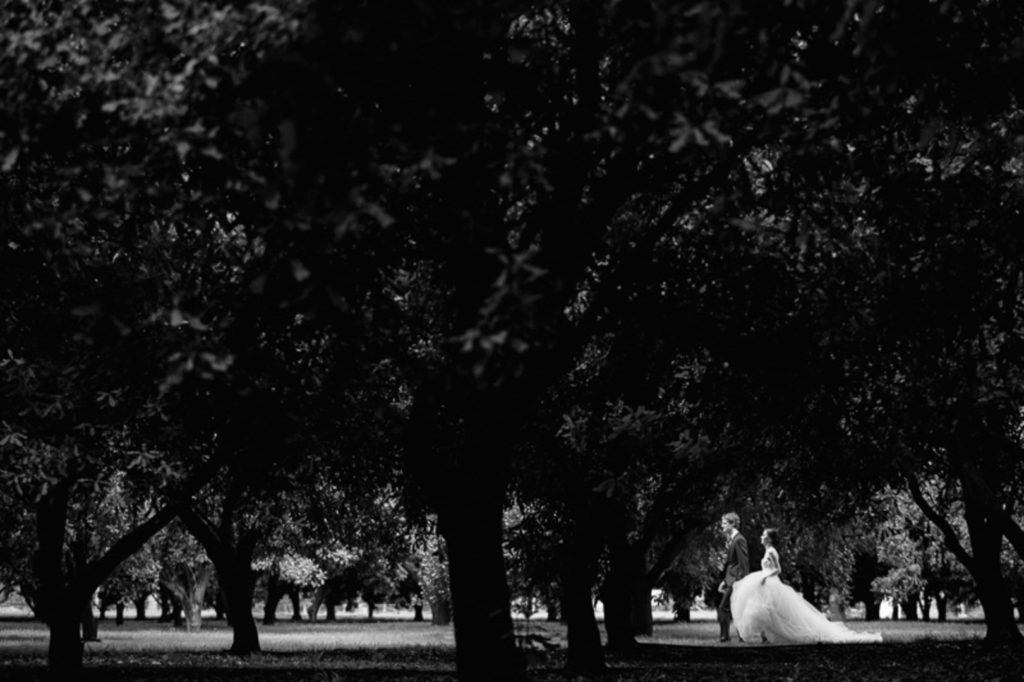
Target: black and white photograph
{"x": 512, "y": 341}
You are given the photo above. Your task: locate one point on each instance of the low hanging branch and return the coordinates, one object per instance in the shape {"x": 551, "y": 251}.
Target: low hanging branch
{"x": 97, "y": 571}
{"x": 948, "y": 532}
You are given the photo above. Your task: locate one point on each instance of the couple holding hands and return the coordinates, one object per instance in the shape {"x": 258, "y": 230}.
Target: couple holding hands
{"x": 764, "y": 608}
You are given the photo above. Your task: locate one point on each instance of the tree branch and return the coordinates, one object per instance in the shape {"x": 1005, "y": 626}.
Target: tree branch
{"x": 940, "y": 521}
{"x": 97, "y": 571}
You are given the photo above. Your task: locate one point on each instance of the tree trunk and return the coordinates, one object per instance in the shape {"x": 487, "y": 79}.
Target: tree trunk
{"x": 219, "y": 609}
{"x": 417, "y": 613}
{"x": 836, "y": 608}
{"x": 910, "y": 608}
{"x": 170, "y": 607}
{"x": 140, "y": 607}
{"x": 807, "y": 587}
{"x": 485, "y": 647}
{"x": 370, "y": 606}
{"x": 61, "y": 606}
{"x": 64, "y": 655}
{"x": 626, "y": 593}
{"x": 193, "y": 615}
{"x": 316, "y": 601}
{"x": 986, "y": 541}
{"x": 293, "y": 595}
{"x": 643, "y": 610}
{"x": 871, "y": 610}
{"x": 188, "y": 583}
{"x": 119, "y": 613}
{"x": 552, "y": 606}
{"x": 90, "y": 628}
{"x": 440, "y": 612}
{"x": 238, "y": 586}
{"x": 585, "y": 656}
{"x": 940, "y": 607}
{"x": 617, "y": 612}
{"x": 274, "y": 594}
{"x": 232, "y": 557}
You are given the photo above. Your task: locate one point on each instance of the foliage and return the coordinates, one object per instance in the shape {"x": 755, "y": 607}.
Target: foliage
{"x": 433, "y": 569}
{"x": 297, "y": 570}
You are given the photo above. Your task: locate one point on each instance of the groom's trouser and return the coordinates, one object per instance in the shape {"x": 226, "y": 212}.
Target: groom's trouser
{"x": 724, "y": 612}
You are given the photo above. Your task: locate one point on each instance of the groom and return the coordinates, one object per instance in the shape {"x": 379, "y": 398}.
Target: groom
{"x": 736, "y": 566}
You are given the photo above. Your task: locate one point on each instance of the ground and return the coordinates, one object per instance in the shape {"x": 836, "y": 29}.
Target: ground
{"x": 393, "y": 650}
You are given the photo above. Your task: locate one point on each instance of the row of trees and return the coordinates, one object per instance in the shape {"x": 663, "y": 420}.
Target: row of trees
{"x": 897, "y": 556}
{"x": 624, "y": 265}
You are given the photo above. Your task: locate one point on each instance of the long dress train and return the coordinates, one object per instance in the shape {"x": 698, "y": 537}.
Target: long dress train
{"x": 779, "y": 613}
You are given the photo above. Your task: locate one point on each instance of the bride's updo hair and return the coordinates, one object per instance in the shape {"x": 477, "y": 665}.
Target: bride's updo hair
{"x": 773, "y": 535}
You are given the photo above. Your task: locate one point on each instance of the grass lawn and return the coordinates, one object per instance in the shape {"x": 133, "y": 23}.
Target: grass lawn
{"x": 394, "y": 649}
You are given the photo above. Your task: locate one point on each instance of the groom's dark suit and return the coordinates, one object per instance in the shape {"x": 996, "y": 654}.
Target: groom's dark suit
{"x": 737, "y": 565}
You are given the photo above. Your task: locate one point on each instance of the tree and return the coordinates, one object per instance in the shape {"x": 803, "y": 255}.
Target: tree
{"x": 96, "y": 217}
{"x": 185, "y": 572}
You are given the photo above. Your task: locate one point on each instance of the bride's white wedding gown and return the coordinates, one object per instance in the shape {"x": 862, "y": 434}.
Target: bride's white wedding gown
{"x": 781, "y": 614}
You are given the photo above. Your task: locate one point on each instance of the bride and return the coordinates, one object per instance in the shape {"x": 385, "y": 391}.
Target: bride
{"x": 766, "y": 608}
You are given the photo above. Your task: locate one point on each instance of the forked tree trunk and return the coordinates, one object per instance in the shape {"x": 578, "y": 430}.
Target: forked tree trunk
{"x": 188, "y": 583}
{"x": 485, "y": 641}
{"x": 232, "y": 557}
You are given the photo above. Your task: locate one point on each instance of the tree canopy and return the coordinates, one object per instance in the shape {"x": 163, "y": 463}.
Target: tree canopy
{"x": 623, "y": 265}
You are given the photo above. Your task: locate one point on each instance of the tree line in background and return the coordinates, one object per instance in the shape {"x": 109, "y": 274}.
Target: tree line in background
{"x": 562, "y": 280}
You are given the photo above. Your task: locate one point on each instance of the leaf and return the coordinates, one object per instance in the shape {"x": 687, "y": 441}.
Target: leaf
{"x": 379, "y": 214}
{"x": 299, "y": 270}
{"x": 10, "y": 158}
{"x": 169, "y": 11}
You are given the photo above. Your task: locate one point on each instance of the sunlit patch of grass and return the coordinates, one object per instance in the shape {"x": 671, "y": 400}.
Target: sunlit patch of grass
{"x": 704, "y": 632}
{"x": 20, "y": 638}
{"x": 31, "y": 637}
